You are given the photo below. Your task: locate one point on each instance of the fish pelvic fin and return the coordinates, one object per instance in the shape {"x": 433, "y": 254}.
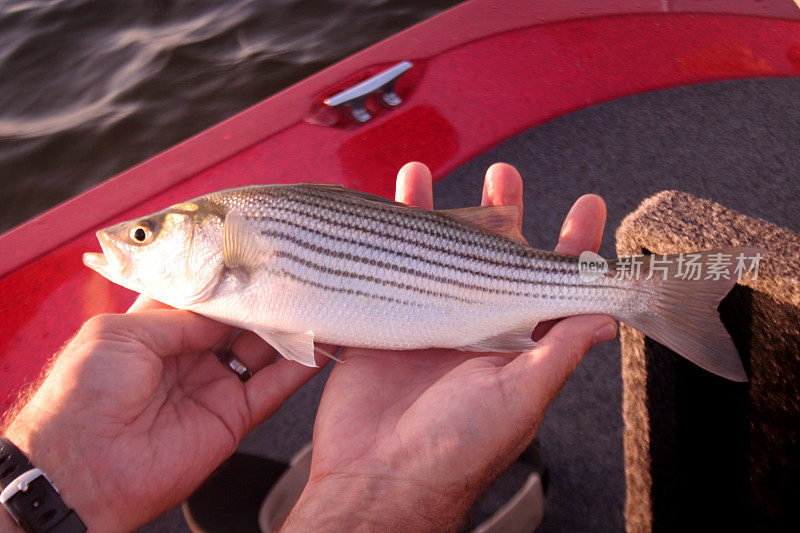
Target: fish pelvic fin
{"x": 294, "y": 346}
{"x": 684, "y": 317}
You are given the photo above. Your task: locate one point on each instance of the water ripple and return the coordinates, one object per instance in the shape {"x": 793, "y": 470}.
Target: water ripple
{"x": 91, "y": 87}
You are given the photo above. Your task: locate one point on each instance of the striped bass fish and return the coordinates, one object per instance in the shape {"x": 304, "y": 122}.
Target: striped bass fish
{"x": 306, "y": 263}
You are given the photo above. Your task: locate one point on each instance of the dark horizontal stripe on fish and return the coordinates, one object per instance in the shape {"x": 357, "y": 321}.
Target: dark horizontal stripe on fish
{"x": 425, "y": 222}
{"x": 300, "y": 194}
{"x": 389, "y": 266}
{"x": 514, "y": 261}
{"x": 340, "y": 290}
{"x": 381, "y": 297}
{"x": 370, "y": 279}
{"x": 525, "y": 269}
{"x": 413, "y": 216}
{"x": 408, "y": 270}
{"x": 360, "y": 211}
{"x": 398, "y": 216}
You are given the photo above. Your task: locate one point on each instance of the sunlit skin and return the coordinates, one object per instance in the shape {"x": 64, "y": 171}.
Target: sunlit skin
{"x": 137, "y": 411}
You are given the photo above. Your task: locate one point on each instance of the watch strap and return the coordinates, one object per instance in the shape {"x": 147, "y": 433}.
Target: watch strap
{"x": 30, "y": 497}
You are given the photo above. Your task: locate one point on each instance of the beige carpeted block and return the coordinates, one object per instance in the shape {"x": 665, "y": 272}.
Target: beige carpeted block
{"x": 703, "y": 453}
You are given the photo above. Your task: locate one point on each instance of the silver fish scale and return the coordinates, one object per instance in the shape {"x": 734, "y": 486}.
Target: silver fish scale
{"x": 351, "y": 269}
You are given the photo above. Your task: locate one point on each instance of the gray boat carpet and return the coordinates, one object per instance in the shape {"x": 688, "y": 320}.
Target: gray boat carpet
{"x": 735, "y": 143}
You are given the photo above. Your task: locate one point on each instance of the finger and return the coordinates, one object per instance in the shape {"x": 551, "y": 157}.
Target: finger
{"x": 583, "y": 227}
{"x": 414, "y": 186}
{"x": 269, "y": 388}
{"x": 582, "y": 230}
{"x": 165, "y": 332}
{"x": 253, "y": 351}
{"x": 503, "y": 186}
{"x": 144, "y": 303}
{"x": 537, "y": 376}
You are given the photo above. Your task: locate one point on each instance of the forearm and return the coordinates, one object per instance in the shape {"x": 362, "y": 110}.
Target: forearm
{"x": 375, "y": 504}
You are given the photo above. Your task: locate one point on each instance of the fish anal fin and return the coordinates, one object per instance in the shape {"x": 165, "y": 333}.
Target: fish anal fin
{"x": 242, "y": 245}
{"x": 516, "y": 340}
{"x": 503, "y": 220}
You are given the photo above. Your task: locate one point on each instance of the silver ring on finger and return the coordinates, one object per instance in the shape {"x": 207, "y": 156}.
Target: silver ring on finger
{"x": 229, "y": 359}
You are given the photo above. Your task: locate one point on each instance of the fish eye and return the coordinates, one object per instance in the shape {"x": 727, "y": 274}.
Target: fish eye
{"x": 141, "y": 233}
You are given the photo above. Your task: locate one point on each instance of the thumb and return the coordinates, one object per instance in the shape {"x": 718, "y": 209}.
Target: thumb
{"x": 165, "y": 332}
{"x": 538, "y": 376}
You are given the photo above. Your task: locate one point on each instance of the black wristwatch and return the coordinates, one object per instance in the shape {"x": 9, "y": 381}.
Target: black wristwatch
{"x": 30, "y": 498}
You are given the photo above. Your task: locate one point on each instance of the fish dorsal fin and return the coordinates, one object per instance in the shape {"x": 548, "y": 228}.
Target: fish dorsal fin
{"x": 503, "y": 220}
{"x": 293, "y": 346}
{"x": 242, "y": 245}
{"x": 344, "y": 191}
{"x": 516, "y": 340}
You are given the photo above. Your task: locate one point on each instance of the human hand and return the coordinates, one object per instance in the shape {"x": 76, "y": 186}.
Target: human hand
{"x": 409, "y": 440}
{"x": 137, "y": 411}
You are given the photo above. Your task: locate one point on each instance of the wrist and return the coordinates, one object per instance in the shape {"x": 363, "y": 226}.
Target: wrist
{"x": 367, "y": 503}
{"x": 61, "y": 468}
{"x": 7, "y": 523}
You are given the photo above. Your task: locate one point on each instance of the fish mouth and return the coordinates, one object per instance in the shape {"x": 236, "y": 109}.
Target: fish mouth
{"x": 111, "y": 263}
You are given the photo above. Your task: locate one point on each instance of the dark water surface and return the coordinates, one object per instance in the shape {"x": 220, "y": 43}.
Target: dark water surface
{"x": 89, "y": 88}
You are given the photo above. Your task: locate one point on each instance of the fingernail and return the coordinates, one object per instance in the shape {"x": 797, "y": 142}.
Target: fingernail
{"x": 605, "y": 333}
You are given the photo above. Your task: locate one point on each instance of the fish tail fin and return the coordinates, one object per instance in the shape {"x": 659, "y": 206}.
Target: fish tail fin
{"x": 685, "y": 317}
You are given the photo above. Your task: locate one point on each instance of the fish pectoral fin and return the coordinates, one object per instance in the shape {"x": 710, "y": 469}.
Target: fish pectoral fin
{"x": 293, "y": 346}
{"x": 242, "y": 245}
{"x": 516, "y": 340}
{"x": 503, "y": 220}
